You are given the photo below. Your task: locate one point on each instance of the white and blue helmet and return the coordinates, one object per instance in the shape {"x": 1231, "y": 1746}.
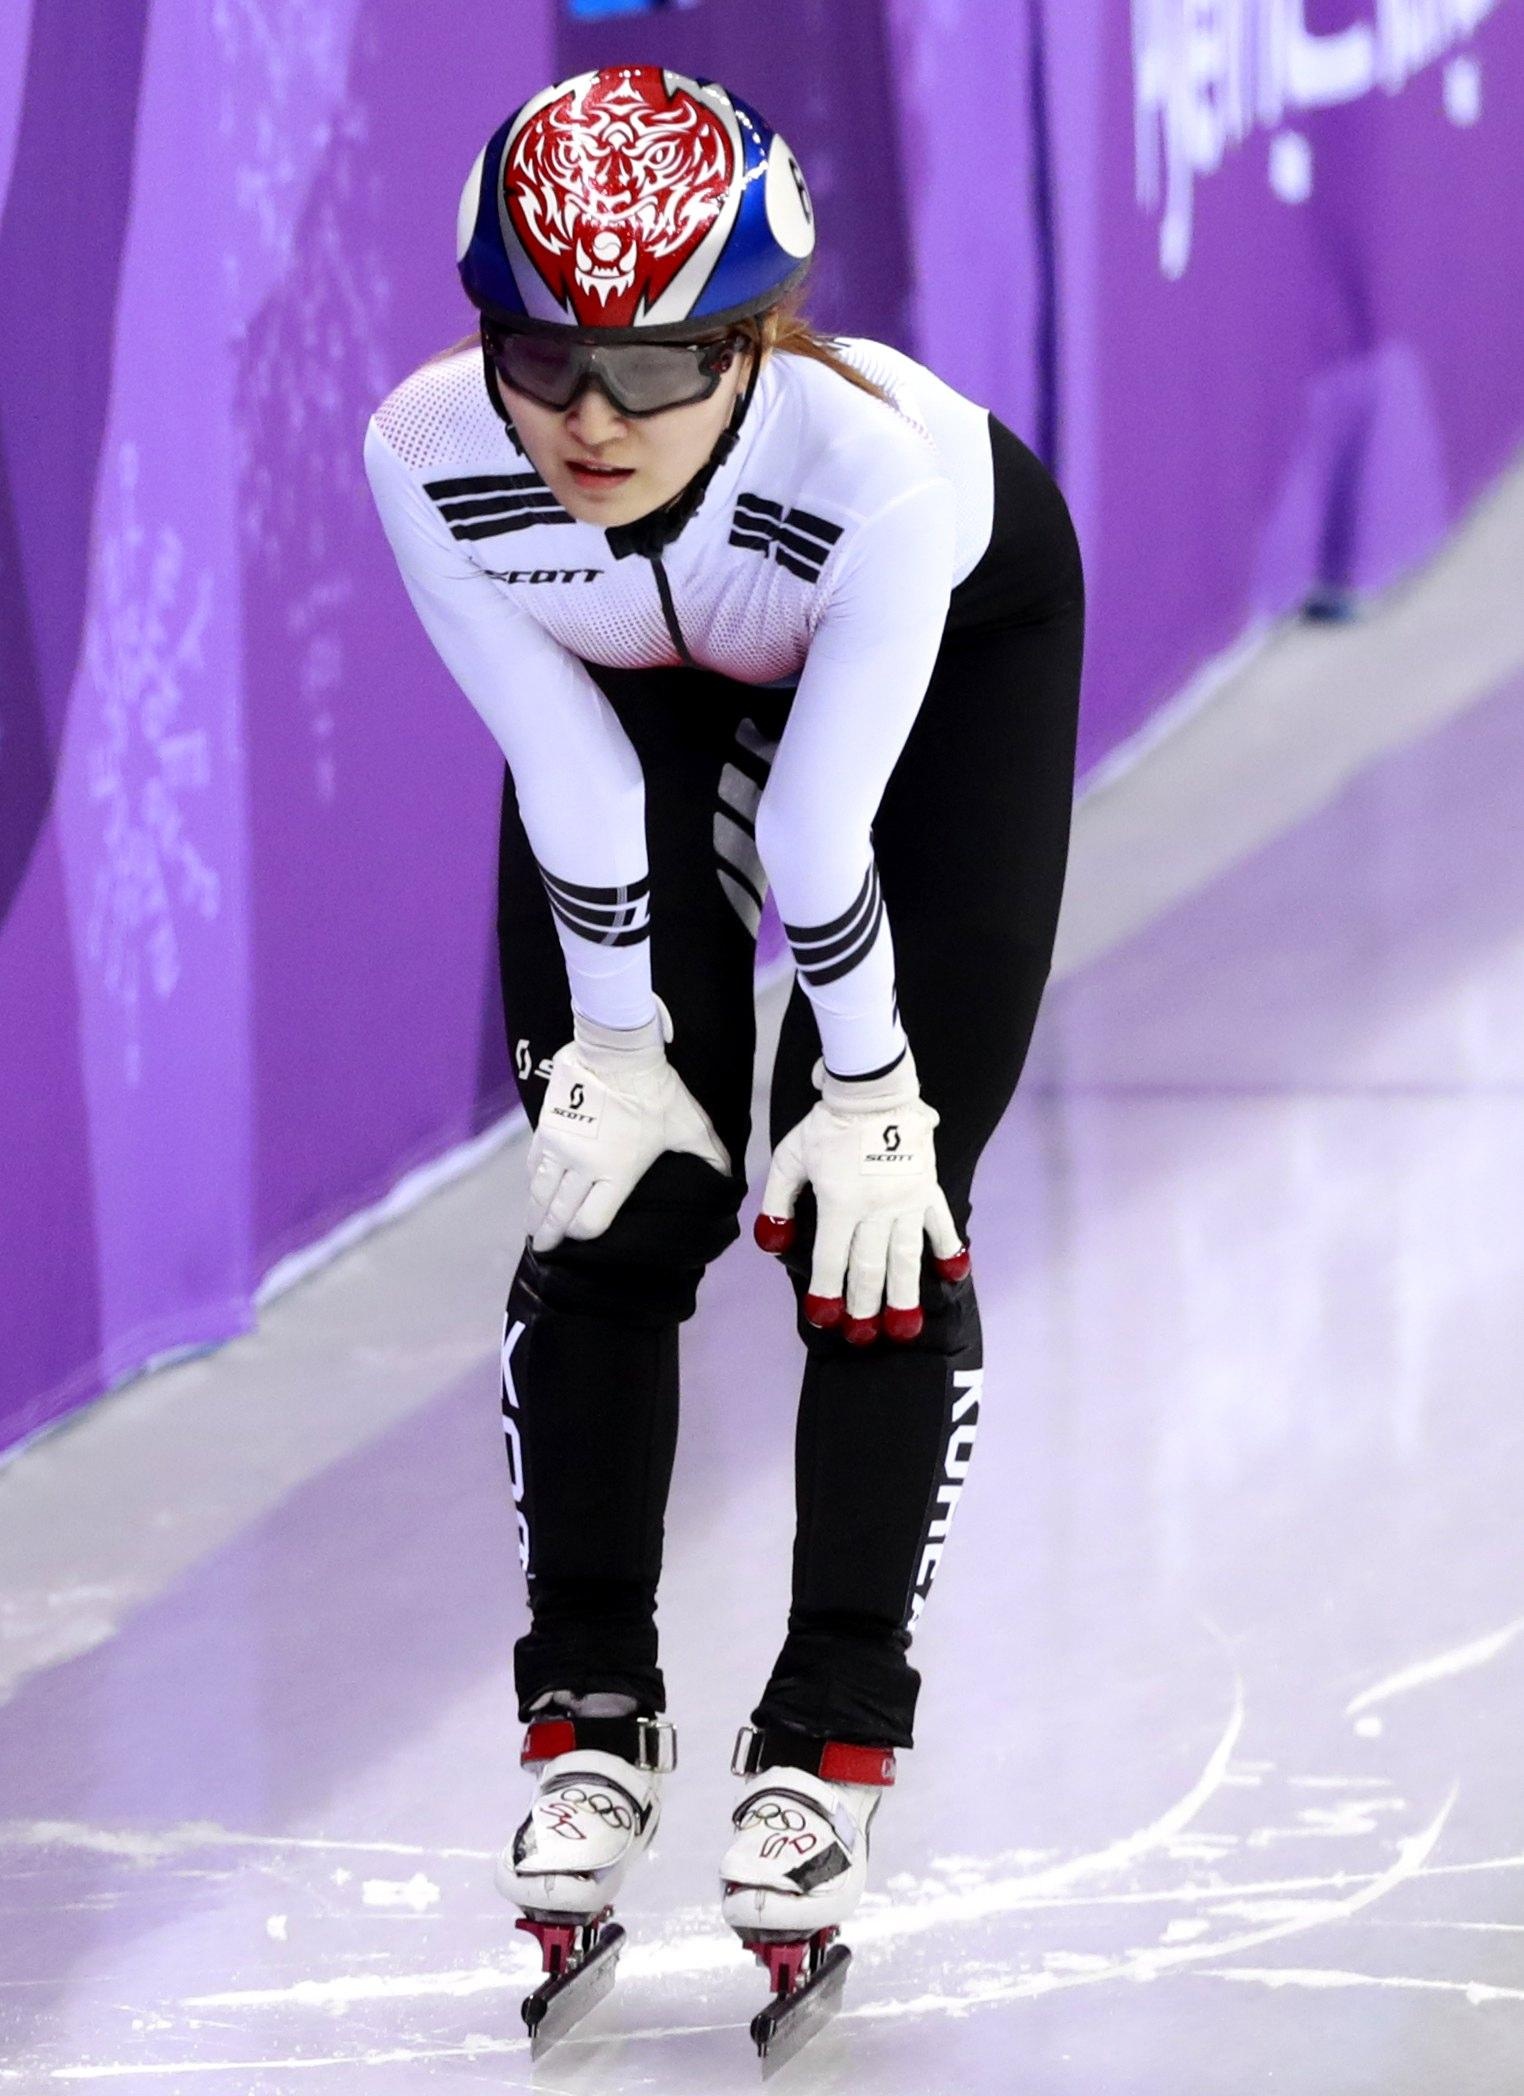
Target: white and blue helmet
{"x": 633, "y": 204}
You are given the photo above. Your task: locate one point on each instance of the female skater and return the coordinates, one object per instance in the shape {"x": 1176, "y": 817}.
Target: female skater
{"x": 742, "y": 608}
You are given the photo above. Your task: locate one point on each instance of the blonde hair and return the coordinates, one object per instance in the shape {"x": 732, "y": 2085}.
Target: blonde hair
{"x": 782, "y": 328}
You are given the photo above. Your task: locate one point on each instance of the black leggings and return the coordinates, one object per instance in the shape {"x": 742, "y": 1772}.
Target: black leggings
{"x": 971, "y": 840}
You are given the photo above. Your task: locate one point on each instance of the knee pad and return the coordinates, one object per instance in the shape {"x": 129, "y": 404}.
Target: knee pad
{"x": 646, "y": 1267}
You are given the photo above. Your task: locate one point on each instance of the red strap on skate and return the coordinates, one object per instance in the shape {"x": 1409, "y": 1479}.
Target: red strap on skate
{"x": 546, "y": 1738}
{"x": 836, "y": 1760}
{"x": 840, "y": 1763}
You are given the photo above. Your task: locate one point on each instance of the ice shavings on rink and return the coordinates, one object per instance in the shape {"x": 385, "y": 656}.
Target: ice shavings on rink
{"x": 417, "y": 1892}
{"x": 1476, "y": 1991}
{"x": 146, "y": 1845}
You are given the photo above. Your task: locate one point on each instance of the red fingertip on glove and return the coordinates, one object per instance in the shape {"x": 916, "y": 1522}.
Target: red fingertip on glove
{"x": 774, "y": 1233}
{"x": 860, "y": 1331}
{"x": 903, "y": 1325}
{"x": 956, "y": 1268}
{"x": 823, "y": 1311}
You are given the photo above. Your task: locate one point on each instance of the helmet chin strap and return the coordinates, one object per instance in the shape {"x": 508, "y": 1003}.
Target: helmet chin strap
{"x": 651, "y": 534}
{"x": 489, "y": 373}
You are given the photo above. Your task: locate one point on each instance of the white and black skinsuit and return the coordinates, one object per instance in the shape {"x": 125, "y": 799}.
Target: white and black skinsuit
{"x": 852, "y": 676}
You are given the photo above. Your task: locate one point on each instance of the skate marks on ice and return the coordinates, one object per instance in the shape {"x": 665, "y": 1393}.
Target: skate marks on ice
{"x": 1183, "y": 1891}
{"x": 144, "y": 1845}
{"x": 1443, "y": 1666}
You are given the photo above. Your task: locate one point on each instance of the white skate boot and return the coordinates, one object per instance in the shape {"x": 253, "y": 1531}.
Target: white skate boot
{"x": 595, "y": 1810}
{"x": 795, "y": 1871}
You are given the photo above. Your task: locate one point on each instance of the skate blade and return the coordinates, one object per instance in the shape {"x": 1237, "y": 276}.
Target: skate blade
{"x": 791, "y": 2020}
{"x": 557, "y": 2005}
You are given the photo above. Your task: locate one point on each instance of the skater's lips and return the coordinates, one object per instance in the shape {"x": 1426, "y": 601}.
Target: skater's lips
{"x": 593, "y": 481}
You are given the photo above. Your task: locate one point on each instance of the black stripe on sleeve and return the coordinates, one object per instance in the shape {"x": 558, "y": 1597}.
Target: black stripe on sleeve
{"x": 817, "y": 527}
{"x": 796, "y": 539}
{"x": 630, "y": 938}
{"x": 758, "y": 505}
{"x": 493, "y": 527}
{"x": 824, "y": 953}
{"x": 602, "y": 916}
{"x": 579, "y": 918}
{"x": 498, "y": 505}
{"x": 485, "y": 505}
{"x": 820, "y": 951}
{"x": 807, "y": 570}
{"x": 482, "y": 484}
{"x": 630, "y": 893}
{"x": 869, "y": 1076}
{"x": 797, "y": 543}
{"x": 809, "y": 934}
{"x": 817, "y": 978}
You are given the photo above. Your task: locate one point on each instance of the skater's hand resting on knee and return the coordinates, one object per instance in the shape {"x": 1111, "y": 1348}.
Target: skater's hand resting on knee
{"x": 614, "y": 1104}
{"x": 867, "y": 1150}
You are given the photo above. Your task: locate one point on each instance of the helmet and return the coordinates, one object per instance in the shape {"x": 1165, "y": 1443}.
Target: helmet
{"x": 636, "y": 205}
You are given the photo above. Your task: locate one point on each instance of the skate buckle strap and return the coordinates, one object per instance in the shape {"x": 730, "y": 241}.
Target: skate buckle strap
{"x": 834, "y": 1760}
{"x": 649, "y": 1743}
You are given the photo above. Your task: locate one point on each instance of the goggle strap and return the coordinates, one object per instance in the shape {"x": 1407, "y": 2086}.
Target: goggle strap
{"x": 489, "y": 375}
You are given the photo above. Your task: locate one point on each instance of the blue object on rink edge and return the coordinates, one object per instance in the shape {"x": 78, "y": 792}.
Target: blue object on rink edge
{"x": 597, "y": 10}
{"x": 1330, "y": 606}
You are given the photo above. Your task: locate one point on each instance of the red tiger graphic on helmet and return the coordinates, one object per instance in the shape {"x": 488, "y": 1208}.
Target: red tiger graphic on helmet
{"x": 612, "y": 187}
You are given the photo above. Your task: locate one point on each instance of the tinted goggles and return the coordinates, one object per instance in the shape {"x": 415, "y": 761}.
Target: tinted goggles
{"x": 640, "y": 378}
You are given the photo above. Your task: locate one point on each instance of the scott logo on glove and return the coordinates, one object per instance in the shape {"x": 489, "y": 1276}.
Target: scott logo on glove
{"x": 568, "y": 1101}
{"x": 884, "y": 1149}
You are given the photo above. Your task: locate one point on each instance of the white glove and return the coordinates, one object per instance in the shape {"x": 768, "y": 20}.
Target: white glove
{"x": 867, "y": 1150}
{"x": 613, "y": 1105}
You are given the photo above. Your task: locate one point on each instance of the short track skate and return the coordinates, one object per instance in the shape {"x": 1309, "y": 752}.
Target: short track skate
{"x": 581, "y": 1964}
{"x": 807, "y": 1975}
{"x": 596, "y": 1809}
{"x": 796, "y": 1871}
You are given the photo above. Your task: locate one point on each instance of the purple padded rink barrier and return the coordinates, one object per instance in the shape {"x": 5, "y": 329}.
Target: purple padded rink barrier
{"x": 1270, "y": 294}
{"x": 1251, "y": 274}
{"x": 245, "y": 964}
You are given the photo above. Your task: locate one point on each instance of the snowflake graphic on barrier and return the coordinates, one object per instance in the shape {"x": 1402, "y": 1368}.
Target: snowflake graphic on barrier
{"x": 143, "y": 644}
{"x": 311, "y": 360}
{"x": 283, "y": 67}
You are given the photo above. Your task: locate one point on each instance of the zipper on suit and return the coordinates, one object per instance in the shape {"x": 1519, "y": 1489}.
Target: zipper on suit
{"x": 669, "y": 609}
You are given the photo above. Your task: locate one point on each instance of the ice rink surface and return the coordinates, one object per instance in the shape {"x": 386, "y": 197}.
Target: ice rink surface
{"x": 1218, "y": 1785}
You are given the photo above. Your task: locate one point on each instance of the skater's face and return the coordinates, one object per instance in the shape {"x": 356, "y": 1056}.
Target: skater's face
{"x": 606, "y": 467}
